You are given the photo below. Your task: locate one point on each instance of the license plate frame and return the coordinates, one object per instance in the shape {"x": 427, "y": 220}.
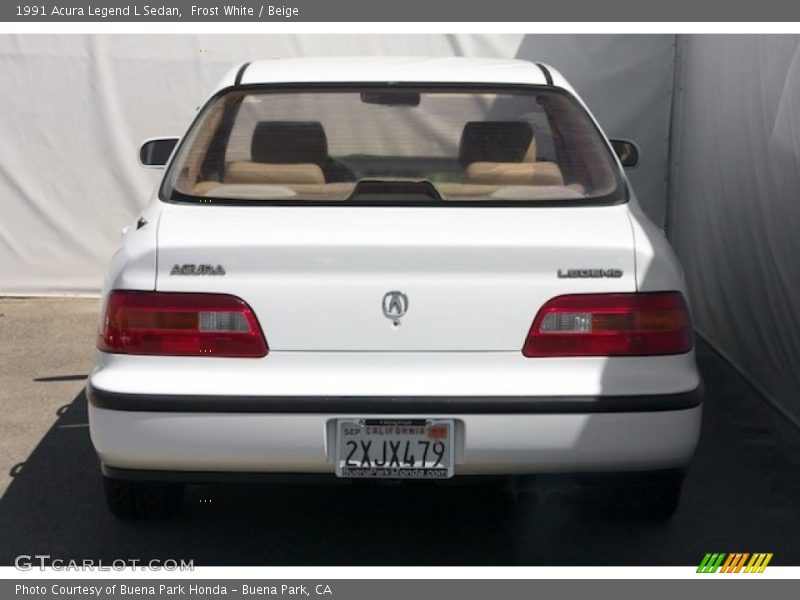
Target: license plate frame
{"x": 383, "y": 437}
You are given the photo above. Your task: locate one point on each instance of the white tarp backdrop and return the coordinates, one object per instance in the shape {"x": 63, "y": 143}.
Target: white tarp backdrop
{"x": 720, "y": 154}
{"x": 75, "y": 109}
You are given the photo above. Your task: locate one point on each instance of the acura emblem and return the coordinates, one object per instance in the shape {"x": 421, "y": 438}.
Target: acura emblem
{"x": 395, "y": 304}
{"x": 197, "y": 270}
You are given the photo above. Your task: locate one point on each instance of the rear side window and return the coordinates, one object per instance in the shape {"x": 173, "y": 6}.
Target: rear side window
{"x": 393, "y": 145}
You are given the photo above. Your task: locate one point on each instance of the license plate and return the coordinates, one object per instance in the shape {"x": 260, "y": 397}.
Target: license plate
{"x": 394, "y": 448}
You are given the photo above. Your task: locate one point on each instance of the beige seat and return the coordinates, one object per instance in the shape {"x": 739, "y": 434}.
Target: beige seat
{"x": 503, "y": 153}
{"x": 254, "y": 172}
{"x": 533, "y": 173}
{"x": 327, "y": 192}
{"x": 283, "y": 152}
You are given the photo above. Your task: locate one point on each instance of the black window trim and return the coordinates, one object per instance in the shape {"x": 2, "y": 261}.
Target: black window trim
{"x": 621, "y": 195}
{"x": 239, "y": 74}
{"x": 546, "y": 72}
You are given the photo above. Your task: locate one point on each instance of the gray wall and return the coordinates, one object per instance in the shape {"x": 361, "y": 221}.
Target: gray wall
{"x": 735, "y": 202}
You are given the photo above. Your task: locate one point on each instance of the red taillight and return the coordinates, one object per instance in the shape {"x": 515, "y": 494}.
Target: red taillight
{"x": 178, "y": 324}
{"x": 611, "y": 325}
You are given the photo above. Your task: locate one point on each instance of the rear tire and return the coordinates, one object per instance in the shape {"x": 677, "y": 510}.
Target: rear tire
{"x": 142, "y": 500}
{"x": 649, "y": 497}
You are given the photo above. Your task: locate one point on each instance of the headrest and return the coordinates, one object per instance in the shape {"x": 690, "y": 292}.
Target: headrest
{"x": 495, "y": 141}
{"x": 282, "y": 142}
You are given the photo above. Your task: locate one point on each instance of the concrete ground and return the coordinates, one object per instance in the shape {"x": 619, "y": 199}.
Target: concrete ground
{"x": 742, "y": 493}
{"x": 46, "y": 350}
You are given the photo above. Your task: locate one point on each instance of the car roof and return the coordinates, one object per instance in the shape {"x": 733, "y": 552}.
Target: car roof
{"x": 345, "y": 69}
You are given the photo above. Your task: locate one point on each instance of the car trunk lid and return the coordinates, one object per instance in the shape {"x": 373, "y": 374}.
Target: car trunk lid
{"x": 467, "y": 279}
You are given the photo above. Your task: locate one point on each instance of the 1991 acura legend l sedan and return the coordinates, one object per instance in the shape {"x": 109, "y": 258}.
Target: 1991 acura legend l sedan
{"x": 392, "y": 268}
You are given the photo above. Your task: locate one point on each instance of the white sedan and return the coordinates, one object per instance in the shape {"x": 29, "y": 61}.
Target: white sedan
{"x": 392, "y": 268}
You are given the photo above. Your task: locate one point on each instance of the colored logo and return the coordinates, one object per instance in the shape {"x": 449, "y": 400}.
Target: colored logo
{"x": 736, "y": 562}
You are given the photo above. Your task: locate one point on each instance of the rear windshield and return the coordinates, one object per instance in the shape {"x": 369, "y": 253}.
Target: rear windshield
{"x": 393, "y": 145}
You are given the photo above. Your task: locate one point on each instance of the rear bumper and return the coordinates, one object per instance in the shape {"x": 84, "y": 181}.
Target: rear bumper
{"x": 493, "y": 435}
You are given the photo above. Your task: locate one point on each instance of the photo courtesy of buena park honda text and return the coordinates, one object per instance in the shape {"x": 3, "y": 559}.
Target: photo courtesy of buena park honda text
{"x": 351, "y": 299}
